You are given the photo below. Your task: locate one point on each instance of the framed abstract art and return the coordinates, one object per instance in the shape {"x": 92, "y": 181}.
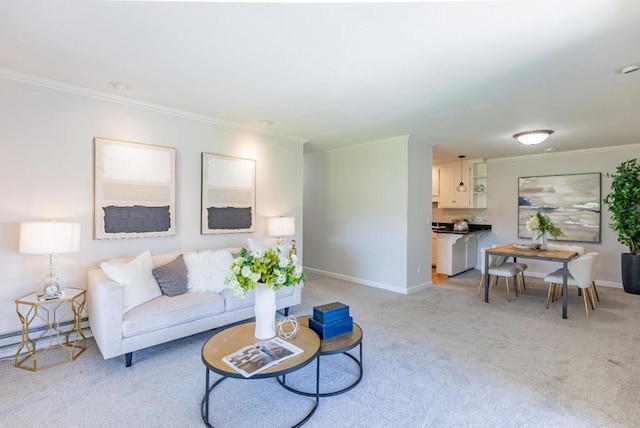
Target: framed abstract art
{"x": 572, "y": 202}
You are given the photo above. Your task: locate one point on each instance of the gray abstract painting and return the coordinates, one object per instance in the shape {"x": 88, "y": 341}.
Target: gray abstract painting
{"x": 571, "y": 201}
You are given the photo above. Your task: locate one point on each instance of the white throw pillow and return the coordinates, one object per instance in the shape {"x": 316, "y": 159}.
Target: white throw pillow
{"x": 136, "y": 278}
{"x": 207, "y": 269}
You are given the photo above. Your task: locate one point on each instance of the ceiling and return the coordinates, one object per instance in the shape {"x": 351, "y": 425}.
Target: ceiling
{"x": 463, "y": 76}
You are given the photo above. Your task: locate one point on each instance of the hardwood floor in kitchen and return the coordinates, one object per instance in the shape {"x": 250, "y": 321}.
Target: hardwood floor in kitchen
{"x": 438, "y": 277}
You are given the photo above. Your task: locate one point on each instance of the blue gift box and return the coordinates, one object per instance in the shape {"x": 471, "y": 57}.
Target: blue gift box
{"x": 330, "y": 312}
{"x": 335, "y": 328}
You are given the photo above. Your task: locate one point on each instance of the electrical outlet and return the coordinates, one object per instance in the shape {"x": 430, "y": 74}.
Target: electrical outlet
{"x": 419, "y": 270}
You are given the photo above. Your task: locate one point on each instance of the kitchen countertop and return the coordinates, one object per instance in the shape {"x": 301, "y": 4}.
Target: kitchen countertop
{"x": 448, "y": 228}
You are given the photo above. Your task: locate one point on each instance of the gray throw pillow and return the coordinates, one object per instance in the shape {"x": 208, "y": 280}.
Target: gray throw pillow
{"x": 172, "y": 277}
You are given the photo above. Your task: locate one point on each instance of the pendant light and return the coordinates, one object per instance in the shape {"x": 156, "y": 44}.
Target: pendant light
{"x": 461, "y": 187}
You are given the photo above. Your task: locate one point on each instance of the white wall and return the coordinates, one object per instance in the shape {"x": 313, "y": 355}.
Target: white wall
{"x": 502, "y": 212}
{"x": 419, "y": 215}
{"x": 356, "y": 214}
{"x": 46, "y": 172}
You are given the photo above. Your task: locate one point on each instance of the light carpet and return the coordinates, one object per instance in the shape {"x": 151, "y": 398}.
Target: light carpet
{"x": 438, "y": 358}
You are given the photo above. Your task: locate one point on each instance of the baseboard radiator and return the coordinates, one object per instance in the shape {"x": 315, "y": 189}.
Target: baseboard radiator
{"x": 9, "y": 341}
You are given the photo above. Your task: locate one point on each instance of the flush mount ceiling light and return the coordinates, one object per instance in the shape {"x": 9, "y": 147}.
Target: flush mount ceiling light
{"x": 628, "y": 68}
{"x": 461, "y": 187}
{"x": 265, "y": 122}
{"x": 119, "y": 86}
{"x": 533, "y": 137}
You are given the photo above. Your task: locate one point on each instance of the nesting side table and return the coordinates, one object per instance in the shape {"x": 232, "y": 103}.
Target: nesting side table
{"x": 335, "y": 345}
{"x": 43, "y": 323}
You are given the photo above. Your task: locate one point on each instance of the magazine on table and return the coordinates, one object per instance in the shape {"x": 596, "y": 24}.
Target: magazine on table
{"x": 253, "y": 359}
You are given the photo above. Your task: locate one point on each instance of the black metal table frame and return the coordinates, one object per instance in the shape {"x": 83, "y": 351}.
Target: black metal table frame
{"x": 204, "y": 407}
{"x": 344, "y": 351}
{"x": 565, "y": 270}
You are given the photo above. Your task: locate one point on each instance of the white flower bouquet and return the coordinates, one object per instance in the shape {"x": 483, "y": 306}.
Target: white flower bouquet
{"x": 268, "y": 267}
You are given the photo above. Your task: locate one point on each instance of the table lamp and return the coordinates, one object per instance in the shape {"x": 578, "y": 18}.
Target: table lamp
{"x": 281, "y": 226}
{"x": 40, "y": 237}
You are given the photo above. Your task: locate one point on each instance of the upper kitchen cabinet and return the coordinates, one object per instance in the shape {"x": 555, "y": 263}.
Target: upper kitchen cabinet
{"x": 473, "y": 175}
{"x": 479, "y": 178}
{"x": 435, "y": 184}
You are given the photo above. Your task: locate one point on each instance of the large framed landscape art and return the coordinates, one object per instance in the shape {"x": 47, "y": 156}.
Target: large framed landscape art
{"x": 134, "y": 189}
{"x": 571, "y": 201}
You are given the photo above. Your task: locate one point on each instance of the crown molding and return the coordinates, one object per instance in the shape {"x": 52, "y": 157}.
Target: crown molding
{"x": 567, "y": 153}
{"x": 18, "y": 76}
{"x": 392, "y": 140}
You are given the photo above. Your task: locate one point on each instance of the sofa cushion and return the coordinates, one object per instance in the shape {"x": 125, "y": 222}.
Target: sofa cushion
{"x": 136, "y": 278}
{"x": 206, "y": 270}
{"x": 165, "y": 311}
{"x": 172, "y": 277}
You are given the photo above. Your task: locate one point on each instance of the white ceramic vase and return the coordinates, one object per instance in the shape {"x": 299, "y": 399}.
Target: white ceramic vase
{"x": 265, "y": 311}
{"x": 540, "y": 238}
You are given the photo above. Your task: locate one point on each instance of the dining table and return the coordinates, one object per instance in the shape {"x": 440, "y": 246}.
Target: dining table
{"x": 517, "y": 251}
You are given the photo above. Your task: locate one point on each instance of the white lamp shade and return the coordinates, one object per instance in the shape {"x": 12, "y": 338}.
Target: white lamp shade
{"x": 281, "y": 226}
{"x": 42, "y": 237}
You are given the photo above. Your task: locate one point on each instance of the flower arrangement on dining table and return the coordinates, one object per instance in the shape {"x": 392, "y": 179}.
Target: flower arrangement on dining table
{"x": 268, "y": 267}
{"x": 543, "y": 224}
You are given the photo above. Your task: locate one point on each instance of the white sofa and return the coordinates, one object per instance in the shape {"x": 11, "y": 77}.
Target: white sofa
{"x": 164, "y": 318}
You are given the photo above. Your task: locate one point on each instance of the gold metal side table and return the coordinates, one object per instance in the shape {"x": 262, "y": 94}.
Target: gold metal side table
{"x": 45, "y": 322}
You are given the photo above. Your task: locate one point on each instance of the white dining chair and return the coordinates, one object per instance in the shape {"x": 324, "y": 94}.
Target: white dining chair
{"x": 498, "y": 269}
{"x": 521, "y": 268}
{"x": 580, "y": 274}
{"x": 594, "y": 272}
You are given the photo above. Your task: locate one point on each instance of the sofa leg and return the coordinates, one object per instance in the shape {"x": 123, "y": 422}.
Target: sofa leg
{"x": 128, "y": 357}
{"x": 286, "y": 311}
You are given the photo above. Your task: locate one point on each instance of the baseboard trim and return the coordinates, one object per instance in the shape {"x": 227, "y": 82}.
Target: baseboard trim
{"x": 374, "y": 284}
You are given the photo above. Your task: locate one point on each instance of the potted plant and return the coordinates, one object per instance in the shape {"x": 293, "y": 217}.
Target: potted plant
{"x": 624, "y": 203}
{"x": 265, "y": 272}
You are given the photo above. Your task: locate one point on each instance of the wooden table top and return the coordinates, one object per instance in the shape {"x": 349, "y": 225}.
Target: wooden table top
{"x": 232, "y": 339}
{"x": 510, "y": 250}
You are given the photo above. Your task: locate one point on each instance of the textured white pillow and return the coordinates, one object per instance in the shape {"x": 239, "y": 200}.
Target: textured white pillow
{"x": 207, "y": 269}
{"x": 136, "y": 278}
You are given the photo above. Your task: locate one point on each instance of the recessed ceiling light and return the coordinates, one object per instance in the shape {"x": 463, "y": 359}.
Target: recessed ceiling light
{"x": 265, "y": 122}
{"x": 119, "y": 86}
{"x": 628, "y": 68}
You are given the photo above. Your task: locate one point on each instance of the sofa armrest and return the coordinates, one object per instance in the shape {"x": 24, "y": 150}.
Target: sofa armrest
{"x": 105, "y": 300}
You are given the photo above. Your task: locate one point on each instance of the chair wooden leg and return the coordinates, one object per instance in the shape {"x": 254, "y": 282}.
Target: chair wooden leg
{"x": 549, "y": 293}
{"x": 523, "y": 283}
{"x": 480, "y": 285}
{"x": 516, "y": 286}
{"x": 592, "y": 300}
{"x": 556, "y": 288}
{"x": 584, "y": 297}
{"x": 506, "y": 279}
{"x": 593, "y": 284}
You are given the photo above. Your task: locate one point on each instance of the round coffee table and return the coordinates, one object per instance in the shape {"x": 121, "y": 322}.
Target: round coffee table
{"x": 340, "y": 344}
{"x": 233, "y": 338}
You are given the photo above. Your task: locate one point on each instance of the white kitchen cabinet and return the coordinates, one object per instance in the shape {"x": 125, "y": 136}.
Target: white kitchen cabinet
{"x": 456, "y": 252}
{"x": 474, "y": 176}
{"x": 479, "y": 179}
{"x": 450, "y": 177}
{"x": 435, "y": 184}
{"x": 434, "y": 248}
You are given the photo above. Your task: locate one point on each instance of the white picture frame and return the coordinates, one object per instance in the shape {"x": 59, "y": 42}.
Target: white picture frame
{"x": 134, "y": 189}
